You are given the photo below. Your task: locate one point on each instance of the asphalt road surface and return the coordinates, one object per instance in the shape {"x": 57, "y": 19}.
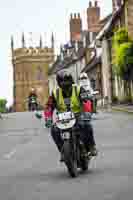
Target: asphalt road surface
{"x": 30, "y": 167}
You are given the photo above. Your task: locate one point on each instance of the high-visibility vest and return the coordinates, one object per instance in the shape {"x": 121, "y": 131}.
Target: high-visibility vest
{"x": 74, "y": 99}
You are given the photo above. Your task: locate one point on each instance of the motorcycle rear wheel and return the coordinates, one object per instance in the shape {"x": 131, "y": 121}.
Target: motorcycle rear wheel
{"x": 70, "y": 162}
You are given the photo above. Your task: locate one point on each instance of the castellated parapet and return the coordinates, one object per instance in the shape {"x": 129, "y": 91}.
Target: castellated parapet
{"x": 34, "y": 54}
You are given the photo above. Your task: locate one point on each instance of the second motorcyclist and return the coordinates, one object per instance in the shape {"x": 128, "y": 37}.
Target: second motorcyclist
{"x": 32, "y": 98}
{"x": 85, "y": 83}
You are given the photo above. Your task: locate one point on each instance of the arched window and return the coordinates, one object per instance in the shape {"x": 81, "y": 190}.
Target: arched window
{"x": 39, "y": 74}
{"x": 93, "y": 83}
{"x": 26, "y": 76}
{"x": 18, "y": 76}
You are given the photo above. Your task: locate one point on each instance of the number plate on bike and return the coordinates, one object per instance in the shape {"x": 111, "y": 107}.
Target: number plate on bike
{"x": 65, "y": 116}
{"x": 66, "y": 135}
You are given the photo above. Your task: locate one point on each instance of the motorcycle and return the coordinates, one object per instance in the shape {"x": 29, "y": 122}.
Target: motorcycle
{"x": 33, "y": 105}
{"x": 73, "y": 152}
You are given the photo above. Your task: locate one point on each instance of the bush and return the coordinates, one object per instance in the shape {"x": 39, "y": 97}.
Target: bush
{"x": 3, "y": 103}
{"x": 123, "y": 59}
{"x": 123, "y": 54}
{"x": 126, "y": 99}
{"x": 115, "y": 99}
{"x": 121, "y": 36}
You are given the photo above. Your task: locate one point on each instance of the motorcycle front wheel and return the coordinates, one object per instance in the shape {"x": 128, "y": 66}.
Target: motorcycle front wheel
{"x": 34, "y": 107}
{"x": 84, "y": 164}
{"x": 70, "y": 161}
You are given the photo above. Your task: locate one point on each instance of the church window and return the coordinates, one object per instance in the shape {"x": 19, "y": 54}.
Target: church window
{"x": 39, "y": 74}
{"x": 26, "y": 76}
{"x": 18, "y": 76}
{"x": 93, "y": 83}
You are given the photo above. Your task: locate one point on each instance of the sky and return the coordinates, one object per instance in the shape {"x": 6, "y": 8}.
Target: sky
{"x": 39, "y": 17}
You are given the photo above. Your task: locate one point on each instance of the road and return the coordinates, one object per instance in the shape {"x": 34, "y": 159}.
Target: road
{"x": 30, "y": 167}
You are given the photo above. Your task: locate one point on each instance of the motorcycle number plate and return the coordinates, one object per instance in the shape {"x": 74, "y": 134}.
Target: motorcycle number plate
{"x": 66, "y": 135}
{"x": 65, "y": 116}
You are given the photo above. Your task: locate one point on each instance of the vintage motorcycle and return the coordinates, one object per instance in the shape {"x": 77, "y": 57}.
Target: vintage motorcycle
{"x": 33, "y": 105}
{"x": 74, "y": 152}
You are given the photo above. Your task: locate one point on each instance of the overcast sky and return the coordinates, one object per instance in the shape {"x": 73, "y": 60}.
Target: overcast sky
{"x": 38, "y": 17}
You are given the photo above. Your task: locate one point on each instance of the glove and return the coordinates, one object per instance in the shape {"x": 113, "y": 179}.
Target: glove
{"x": 48, "y": 123}
{"x": 38, "y": 114}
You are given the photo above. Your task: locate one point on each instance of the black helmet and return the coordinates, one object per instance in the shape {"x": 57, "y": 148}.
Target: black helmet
{"x": 64, "y": 79}
{"x": 59, "y": 78}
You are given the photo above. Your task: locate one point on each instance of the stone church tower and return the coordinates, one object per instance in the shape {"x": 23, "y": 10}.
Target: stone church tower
{"x": 30, "y": 70}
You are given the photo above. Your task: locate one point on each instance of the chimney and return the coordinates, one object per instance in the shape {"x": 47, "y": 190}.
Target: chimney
{"x": 75, "y": 26}
{"x": 96, "y": 4}
{"x": 93, "y": 17}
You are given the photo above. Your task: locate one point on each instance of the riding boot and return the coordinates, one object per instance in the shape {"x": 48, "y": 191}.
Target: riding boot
{"x": 57, "y": 138}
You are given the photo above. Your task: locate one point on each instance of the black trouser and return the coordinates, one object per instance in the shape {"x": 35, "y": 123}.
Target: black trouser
{"x": 86, "y": 136}
{"x": 94, "y": 105}
{"x": 31, "y": 104}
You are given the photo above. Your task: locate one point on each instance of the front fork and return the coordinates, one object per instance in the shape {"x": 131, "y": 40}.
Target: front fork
{"x": 76, "y": 150}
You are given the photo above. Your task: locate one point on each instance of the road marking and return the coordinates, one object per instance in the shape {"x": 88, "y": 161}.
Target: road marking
{"x": 9, "y": 155}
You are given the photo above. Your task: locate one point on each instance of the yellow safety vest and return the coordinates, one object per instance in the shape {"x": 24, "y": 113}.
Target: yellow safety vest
{"x": 74, "y": 99}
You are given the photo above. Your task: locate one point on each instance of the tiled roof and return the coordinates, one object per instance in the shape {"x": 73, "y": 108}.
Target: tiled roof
{"x": 92, "y": 64}
{"x": 108, "y": 26}
{"x": 104, "y": 20}
{"x": 68, "y": 60}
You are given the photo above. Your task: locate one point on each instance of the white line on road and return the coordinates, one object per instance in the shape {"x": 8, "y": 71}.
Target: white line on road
{"x": 9, "y": 155}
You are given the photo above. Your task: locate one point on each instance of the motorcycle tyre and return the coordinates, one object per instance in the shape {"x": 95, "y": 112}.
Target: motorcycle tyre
{"x": 69, "y": 161}
{"x": 33, "y": 107}
{"x": 84, "y": 164}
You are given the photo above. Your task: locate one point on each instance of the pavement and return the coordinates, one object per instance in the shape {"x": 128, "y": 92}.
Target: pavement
{"x": 128, "y": 108}
{"x": 124, "y": 108}
{"x": 30, "y": 167}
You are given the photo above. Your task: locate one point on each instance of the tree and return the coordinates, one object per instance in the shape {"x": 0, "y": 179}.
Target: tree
{"x": 123, "y": 57}
{"x": 3, "y": 103}
{"x": 123, "y": 61}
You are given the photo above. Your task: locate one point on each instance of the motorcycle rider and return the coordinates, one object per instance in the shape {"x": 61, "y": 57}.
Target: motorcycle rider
{"x": 32, "y": 96}
{"x": 67, "y": 90}
{"x": 85, "y": 83}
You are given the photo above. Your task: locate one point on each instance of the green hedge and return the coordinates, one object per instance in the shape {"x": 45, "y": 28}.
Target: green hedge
{"x": 3, "y": 103}
{"x": 123, "y": 54}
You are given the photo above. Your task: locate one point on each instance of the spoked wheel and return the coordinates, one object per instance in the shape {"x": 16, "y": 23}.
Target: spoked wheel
{"x": 70, "y": 162}
{"x": 34, "y": 107}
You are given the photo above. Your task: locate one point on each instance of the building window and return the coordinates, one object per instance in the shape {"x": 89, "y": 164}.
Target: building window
{"x": 93, "y": 83}
{"x": 18, "y": 76}
{"x": 26, "y": 76}
{"x": 39, "y": 74}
